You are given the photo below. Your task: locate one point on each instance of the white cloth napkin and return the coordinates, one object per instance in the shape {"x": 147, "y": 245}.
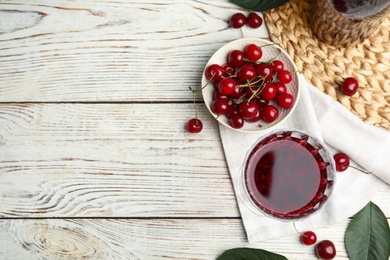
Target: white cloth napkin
{"x": 326, "y": 119}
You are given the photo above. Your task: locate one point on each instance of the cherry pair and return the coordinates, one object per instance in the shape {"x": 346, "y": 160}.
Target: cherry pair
{"x": 238, "y": 20}
{"x": 324, "y": 249}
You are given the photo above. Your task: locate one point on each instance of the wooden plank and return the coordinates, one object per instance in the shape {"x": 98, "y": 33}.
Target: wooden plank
{"x": 145, "y": 239}
{"x": 113, "y": 160}
{"x": 110, "y": 51}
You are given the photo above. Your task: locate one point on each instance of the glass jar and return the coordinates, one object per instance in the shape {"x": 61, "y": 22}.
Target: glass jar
{"x": 345, "y": 23}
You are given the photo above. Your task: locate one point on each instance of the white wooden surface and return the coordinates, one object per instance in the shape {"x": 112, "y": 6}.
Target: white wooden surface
{"x": 95, "y": 162}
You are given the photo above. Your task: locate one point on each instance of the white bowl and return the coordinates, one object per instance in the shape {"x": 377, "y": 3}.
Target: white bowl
{"x": 270, "y": 51}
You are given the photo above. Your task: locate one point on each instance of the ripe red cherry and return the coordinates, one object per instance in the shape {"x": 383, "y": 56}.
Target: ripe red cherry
{"x": 309, "y": 238}
{"x": 325, "y": 250}
{"x": 280, "y": 87}
{"x": 350, "y": 86}
{"x": 269, "y": 92}
{"x": 342, "y": 161}
{"x": 278, "y": 65}
{"x": 246, "y": 73}
{"x": 194, "y": 125}
{"x": 285, "y": 76}
{"x": 220, "y": 106}
{"x": 232, "y": 111}
{"x": 254, "y": 20}
{"x": 226, "y": 86}
{"x": 253, "y": 52}
{"x": 250, "y": 91}
{"x": 285, "y": 100}
{"x": 270, "y": 113}
{"x": 218, "y": 95}
{"x": 256, "y": 118}
{"x": 261, "y": 102}
{"x": 237, "y": 93}
{"x": 236, "y": 121}
{"x": 215, "y": 72}
{"x": 236, "y": 58}
{"x": 228, "y": 69}
{"x": 265, "y": 70}
{"x": 248, "y": 110}
{"x": 237, "y": 20}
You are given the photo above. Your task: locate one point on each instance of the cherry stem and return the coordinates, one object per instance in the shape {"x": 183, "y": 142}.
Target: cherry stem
{"x": 300, "y": 233}
{"x": 242, "y": 32}
{"x": 270, "y": 44}
{"x": 274, "y": 57}
{"x": 257, "y": 92}
{"x": 193, "y": 98}
{"x": 363, "y": 171}
{"x": 208, "y": 82}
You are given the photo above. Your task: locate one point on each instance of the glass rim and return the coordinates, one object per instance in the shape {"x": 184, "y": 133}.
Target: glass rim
{"x": 331, "y": 176}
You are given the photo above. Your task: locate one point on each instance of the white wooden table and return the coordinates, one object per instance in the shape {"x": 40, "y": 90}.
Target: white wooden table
{"x": 95, "y": 161}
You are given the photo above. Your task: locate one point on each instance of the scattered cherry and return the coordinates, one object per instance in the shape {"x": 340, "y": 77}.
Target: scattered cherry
{"x": 194, "y": 125}
{"x": 309, "y": 238}
{"x": 254, "y": 20}
{"x": 325, "y": 250}
{"x": 342, "y": 161}
{"x": 237, "y": 20}
{"x": 350, "y": 86}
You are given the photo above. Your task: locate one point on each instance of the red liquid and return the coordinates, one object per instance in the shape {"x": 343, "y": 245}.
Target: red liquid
{"x": 286, "y": 177}
{"x": 358, "y": 9}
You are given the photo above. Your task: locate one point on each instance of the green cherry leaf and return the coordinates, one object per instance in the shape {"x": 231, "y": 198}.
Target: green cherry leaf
{"x": 368, "y": 235}
{"x": 259, "y": 5}
{"x": 249, "y": 254}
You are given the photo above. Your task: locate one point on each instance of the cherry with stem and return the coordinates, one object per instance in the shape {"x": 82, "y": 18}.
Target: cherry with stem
{"x": 308, "y": 237}
{"x": 342, "y": 163}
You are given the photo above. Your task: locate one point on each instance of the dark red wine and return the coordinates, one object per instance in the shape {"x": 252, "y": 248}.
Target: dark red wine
{"x": 358, "y": 9}
{"x": 286, "y": 176}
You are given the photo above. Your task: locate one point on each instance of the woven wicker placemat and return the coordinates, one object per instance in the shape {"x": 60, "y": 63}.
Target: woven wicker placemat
{"x": 324, "y": 65}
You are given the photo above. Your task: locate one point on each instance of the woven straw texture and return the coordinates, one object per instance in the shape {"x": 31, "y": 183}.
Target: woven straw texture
{"x": 325, "y": 65}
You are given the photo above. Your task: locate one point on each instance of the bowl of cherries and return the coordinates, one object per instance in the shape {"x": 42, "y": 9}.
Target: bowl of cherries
{"x": 250, "y": 85}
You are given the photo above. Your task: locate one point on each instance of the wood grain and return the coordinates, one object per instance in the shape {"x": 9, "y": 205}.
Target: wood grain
{"x": 145, "y": 239}
{"x": 109, "y": 51}
{"x": 111, "y": 160}
{"x": 122, "y": 160}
